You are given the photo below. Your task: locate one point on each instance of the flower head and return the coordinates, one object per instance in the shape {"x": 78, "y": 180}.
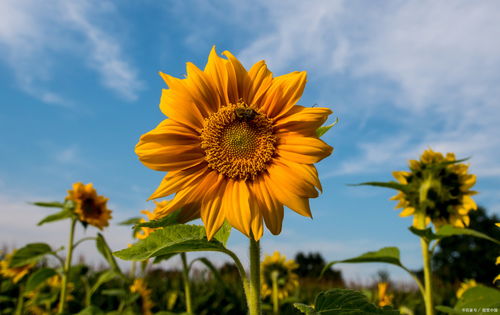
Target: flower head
{"x": 383, "y": 298}
{"x": 145, "y": 231}
{"x": 139, "y": 286}
{"x": 466, "y": 285}
{"x": 438, "y": 186}
{"x": 90, "y": 207}
{"x": 277, "y": 266}
{"x": 236, "y": 146}
{"x": 15, "y": 273}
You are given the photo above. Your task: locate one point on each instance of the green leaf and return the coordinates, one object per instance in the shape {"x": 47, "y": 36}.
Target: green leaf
{"x": 427, "y": 233}
{"x": 106, "y": 252}
{"x": 391, "y": 184}
{"x": 223, "y": 233}
{"x": 131, "y": 221}
{"x": 168, "y": 220}
{"x": 53, "y": 204}
{"x": 91, "y": 310}
{"x": 479, "y": 297}
{"x": 389, "y": 255}
{"x": 324, "y": 129}
{"x": 39, "y": 277}
{"x": 114, "y": 292}
{"x": 344, "y": 301}
{"x": 173, "y": 239}
{"x": 61, "y": 215}
{"x": 306, "y": 309}
{"x": 449, "y": 230}
{"x": 104, "y": 277}
{"x": 29, "y": 254}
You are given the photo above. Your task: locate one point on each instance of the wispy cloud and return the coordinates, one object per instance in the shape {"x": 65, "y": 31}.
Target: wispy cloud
{"x": 434, "y": 64}
{"x": 33, "y": 35}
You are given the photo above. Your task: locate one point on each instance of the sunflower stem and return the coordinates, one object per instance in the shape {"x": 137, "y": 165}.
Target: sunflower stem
{"x": 276, "y": 305}
{"x": 254, "y": 304}
{"x": 67, "y": 266}
{"x": 20, "y": 301}
{"x": 187, "y": 286}
{"x": 429, "y": 305}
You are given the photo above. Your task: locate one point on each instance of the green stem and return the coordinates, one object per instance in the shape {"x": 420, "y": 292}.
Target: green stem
{"x": 67, "y": 266}
{"x": 276, "y": 303}
{"x": 187, "y": 287}
{"x": 20, "y": 301}
{"x": 132, "y": 269}
{"x": 429, "y": 305}
{"x": 241, "y": 270}
{"x": 254, "y": 304}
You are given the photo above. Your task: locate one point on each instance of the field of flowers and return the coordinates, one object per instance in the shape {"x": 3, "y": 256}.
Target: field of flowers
{"x": 237, "y": 150}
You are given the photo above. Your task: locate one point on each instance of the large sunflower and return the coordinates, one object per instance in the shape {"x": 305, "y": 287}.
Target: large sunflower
{"x": 90, "y": 207}
{"x": 236, "y": 146}
{"x": 440, "y": 187}
{"x": 287, "y": 279}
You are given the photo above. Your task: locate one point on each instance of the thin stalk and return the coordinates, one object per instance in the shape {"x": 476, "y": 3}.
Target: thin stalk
{"x": 187, "y": 286}
{"x": 67, "y": 266}
{"x": 275, "y": 297}
{"x": 20, "y": 301}
{"x": 254, "y": 303}
{"x": 241, "y": 270}
{"x": 426, "y": 257}
{"x": 133, "y": 269}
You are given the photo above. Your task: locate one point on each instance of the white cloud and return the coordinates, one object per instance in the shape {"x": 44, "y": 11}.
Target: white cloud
{"x": 33, "y": 34}
{"x": 430, "y": 66}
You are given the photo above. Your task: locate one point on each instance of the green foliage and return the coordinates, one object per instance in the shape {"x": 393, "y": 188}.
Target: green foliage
{"x": 478, "y": 298}
{"x": 391, "y": 184}
{"x": 168, "y": 220}
{"x": 389, "y": 255}
{"x": 29, "y": 254}
{"x": 324, "y": 129}
{"x": 53, "y": 204}
{"x": 452, "y": 259}
{"x": 343, "y": 301}
{"x": 131, "y": 221}
{"x": 104, "y": 277}
{"x": 449, "y": 230}
{"x": 66, "y": 211}
{"x": 175, "y": 239}
{"x": 106, "y": 252}
{"x": 38, "y": 278}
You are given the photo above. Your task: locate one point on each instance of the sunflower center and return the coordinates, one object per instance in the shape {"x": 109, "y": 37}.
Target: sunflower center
{"x": 238, "y": 141}
{"x": 90, "y": 209}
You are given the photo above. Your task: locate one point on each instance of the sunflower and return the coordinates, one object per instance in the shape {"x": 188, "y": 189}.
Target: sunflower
{"x": 90, "y": 207}
{"x": 15, "y": 273}
{"x": 236, "y": 146}
{"x": 145, "y": 231}
{"x": 466, "y": 285}
{"x": 439, "y": 186}
{"x": 288, "y": 281}
{"x": 383, "y": 298}
{"x": 139, "y": 286}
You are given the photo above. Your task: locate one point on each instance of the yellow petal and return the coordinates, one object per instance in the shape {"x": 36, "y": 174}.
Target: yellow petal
{"x": 270, "y": 207}
{"x": 407, "y": 212}
{"x": 260, "y": 81}
{"x": 307, "y": 150}
{"x": 289, "y": 199}
{"x": 401, "y": 176}
{"x": 302, "y": 120}
{"x": 237, "y": 207}
{"x": 216, "y": 70}
{"x": 212, "y": 211}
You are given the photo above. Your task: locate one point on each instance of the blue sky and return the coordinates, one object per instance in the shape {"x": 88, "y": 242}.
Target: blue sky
{"x": 79, "y": 84}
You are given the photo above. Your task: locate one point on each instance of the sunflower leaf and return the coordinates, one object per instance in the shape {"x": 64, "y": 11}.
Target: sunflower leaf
{"x": 106, "y": 252}
{"x": 343, "y": 301}
{"x": 168, "y": 220}
{"x": 449, "y": 230}
{"x": 104, "y": 277}
{"x": 39, "y": 277}
{"x": 61, "y": 215}
{"x": 172, "y": 239}
{"x": 165, "y": 257}
{"x": 427, "y": 233}
{"x": 479, "y": 297}
{"x": 30, "y": 253}
{"x": 53, "y": 204}
{"x": 391, "y": 184}
{"x": 324, "y": 129}
{"x": 130, "y": 221}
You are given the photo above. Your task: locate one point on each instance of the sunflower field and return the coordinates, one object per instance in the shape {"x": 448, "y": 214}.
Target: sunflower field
{"x": 237, "y": 150}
